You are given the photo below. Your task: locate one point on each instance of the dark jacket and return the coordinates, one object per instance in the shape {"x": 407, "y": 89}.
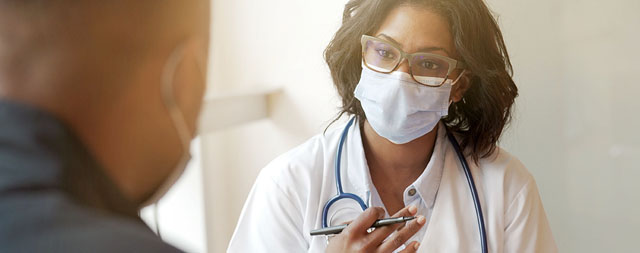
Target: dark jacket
{"x": 55, "y": 197}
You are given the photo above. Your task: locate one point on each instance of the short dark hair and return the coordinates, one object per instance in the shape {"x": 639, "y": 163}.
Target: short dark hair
{"x": 481, "y": 116}
{"x": 111, "y": 37}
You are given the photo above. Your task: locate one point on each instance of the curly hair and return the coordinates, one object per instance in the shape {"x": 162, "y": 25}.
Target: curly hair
{"x": 480, "y": 117}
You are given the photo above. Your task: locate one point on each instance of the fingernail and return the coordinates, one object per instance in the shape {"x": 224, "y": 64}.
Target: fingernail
{"x": 413, "y": 209}
{"x": 416, "y": 246}
{"x": 422, "y": 220}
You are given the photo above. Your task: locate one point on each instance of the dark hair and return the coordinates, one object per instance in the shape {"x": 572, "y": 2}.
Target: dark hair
{"x": 481, "y": 116}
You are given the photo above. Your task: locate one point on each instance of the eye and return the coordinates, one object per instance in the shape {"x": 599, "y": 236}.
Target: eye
{"x": 385, "y": 53}
{"x": 429, "y": 65}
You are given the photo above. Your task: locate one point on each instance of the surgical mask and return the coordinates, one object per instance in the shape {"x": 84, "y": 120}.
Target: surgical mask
{"x": 178, "y": 120}
{"x": 400, "y": 109}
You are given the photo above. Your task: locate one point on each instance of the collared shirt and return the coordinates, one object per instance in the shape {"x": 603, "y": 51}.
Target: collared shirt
{"x": 288, "y": 198}
{"x": 421, "y": 193}
{"x": 55, "y": 197}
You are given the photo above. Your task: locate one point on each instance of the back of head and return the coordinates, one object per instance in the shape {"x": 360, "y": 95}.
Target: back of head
{"x": 61, "y": 43}
{"x": 98, "y": 66}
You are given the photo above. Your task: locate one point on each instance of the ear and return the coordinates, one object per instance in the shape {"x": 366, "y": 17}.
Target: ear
{"x": 460, "y": 88}
{"x": 190, "y": 81}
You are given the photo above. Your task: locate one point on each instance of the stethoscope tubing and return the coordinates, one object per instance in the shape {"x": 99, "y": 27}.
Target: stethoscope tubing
{"x": 341, "y": 194}
{"x": 474, "y": 192}
{"x": 463, "y": 161}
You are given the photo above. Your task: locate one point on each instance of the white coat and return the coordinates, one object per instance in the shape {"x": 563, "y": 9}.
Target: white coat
{"x": 287, "y": 199}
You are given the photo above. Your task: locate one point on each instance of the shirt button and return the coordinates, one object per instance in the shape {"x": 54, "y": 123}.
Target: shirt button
{"x": 412, "y": 192}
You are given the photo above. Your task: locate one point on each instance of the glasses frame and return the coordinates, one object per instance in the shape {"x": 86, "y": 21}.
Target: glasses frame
{"x": 453, "y": 64}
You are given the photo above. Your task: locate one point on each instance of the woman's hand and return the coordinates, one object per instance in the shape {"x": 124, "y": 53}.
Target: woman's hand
{"x": 355, "y": 238}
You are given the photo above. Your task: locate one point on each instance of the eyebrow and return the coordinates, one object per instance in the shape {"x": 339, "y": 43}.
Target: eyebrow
{"x": 422, "y": 49}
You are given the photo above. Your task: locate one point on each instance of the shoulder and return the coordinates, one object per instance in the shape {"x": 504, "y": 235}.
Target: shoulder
{"x": 284, "y": 198}
{"x": 303, "y": 163}
{"x": 61, "y": 225}
{"x": 114, "y": 233}
{"x": 505, "y": 170}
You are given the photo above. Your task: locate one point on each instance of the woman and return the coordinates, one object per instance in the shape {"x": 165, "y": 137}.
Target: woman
{"x": 410, "y": 72}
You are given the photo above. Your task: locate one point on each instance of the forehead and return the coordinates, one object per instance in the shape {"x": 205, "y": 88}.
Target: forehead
{"x": 416, "y": 28}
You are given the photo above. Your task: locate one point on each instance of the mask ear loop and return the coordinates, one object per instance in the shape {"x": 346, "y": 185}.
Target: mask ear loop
{"x": 156, "y": 219}
{"x": 200, "y": 65}
{"x": 179, "y": 121}
{"x": 455, "y": 82}
{"x": 168, "y": 76}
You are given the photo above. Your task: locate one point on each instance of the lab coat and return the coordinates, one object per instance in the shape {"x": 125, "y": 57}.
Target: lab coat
{"x": 287, "y": 199}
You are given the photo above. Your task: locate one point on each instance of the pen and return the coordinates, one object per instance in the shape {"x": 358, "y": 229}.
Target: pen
{"x": 378, "y": 223}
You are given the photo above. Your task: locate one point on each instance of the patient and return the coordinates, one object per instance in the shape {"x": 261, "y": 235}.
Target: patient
{"x": 98, "y": 103}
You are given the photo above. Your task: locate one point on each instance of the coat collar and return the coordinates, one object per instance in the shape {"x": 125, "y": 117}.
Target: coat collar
{"x": 359, "y": 177}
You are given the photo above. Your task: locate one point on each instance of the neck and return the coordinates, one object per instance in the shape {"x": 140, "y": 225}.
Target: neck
{"x": 122, "y": 148}
{"x": 403, "y": 163}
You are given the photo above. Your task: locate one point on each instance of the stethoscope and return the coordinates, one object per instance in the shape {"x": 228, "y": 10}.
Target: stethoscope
{"x": 343, "y": 195}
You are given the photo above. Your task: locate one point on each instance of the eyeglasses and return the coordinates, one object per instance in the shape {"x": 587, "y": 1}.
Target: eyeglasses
{"x": 385, "y": 57}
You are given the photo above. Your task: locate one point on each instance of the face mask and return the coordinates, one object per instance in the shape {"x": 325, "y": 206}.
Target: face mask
{"x": 400, "y": 109}
{"x": 178, "y": 120}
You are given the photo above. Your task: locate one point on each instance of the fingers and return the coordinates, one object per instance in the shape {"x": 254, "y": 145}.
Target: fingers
{"x": 412, "y": 247}
{"x": 379, "y": 234}
{"x": 403, "y": 235}
{"x": 406, "y": 211}
{"x": 364, "y": 221}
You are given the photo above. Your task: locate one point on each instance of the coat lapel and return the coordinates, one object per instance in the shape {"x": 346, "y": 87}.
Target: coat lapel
{"x": 452, "y": 226}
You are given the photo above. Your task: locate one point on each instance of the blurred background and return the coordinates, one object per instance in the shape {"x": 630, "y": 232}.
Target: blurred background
{"x": 575, "y": 128}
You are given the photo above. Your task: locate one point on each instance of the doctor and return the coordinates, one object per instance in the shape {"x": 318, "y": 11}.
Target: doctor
{"x": 428, "y": 87}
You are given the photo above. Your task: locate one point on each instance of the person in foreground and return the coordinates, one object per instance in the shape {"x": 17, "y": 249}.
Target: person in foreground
{"x": 98, "y": 103}
{"x": 427, "y": 85}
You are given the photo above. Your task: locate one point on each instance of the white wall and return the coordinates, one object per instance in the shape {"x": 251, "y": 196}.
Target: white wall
{"x": 259, "y": 45}
{"x": 575, "y": 126}
{"x": 180, "y": 213}
{"x": 576, "y": 63}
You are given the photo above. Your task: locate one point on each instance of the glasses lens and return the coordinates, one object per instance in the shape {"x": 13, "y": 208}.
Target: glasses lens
{"x": 380, "y": 56}
{"x": 428, "y": 69}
